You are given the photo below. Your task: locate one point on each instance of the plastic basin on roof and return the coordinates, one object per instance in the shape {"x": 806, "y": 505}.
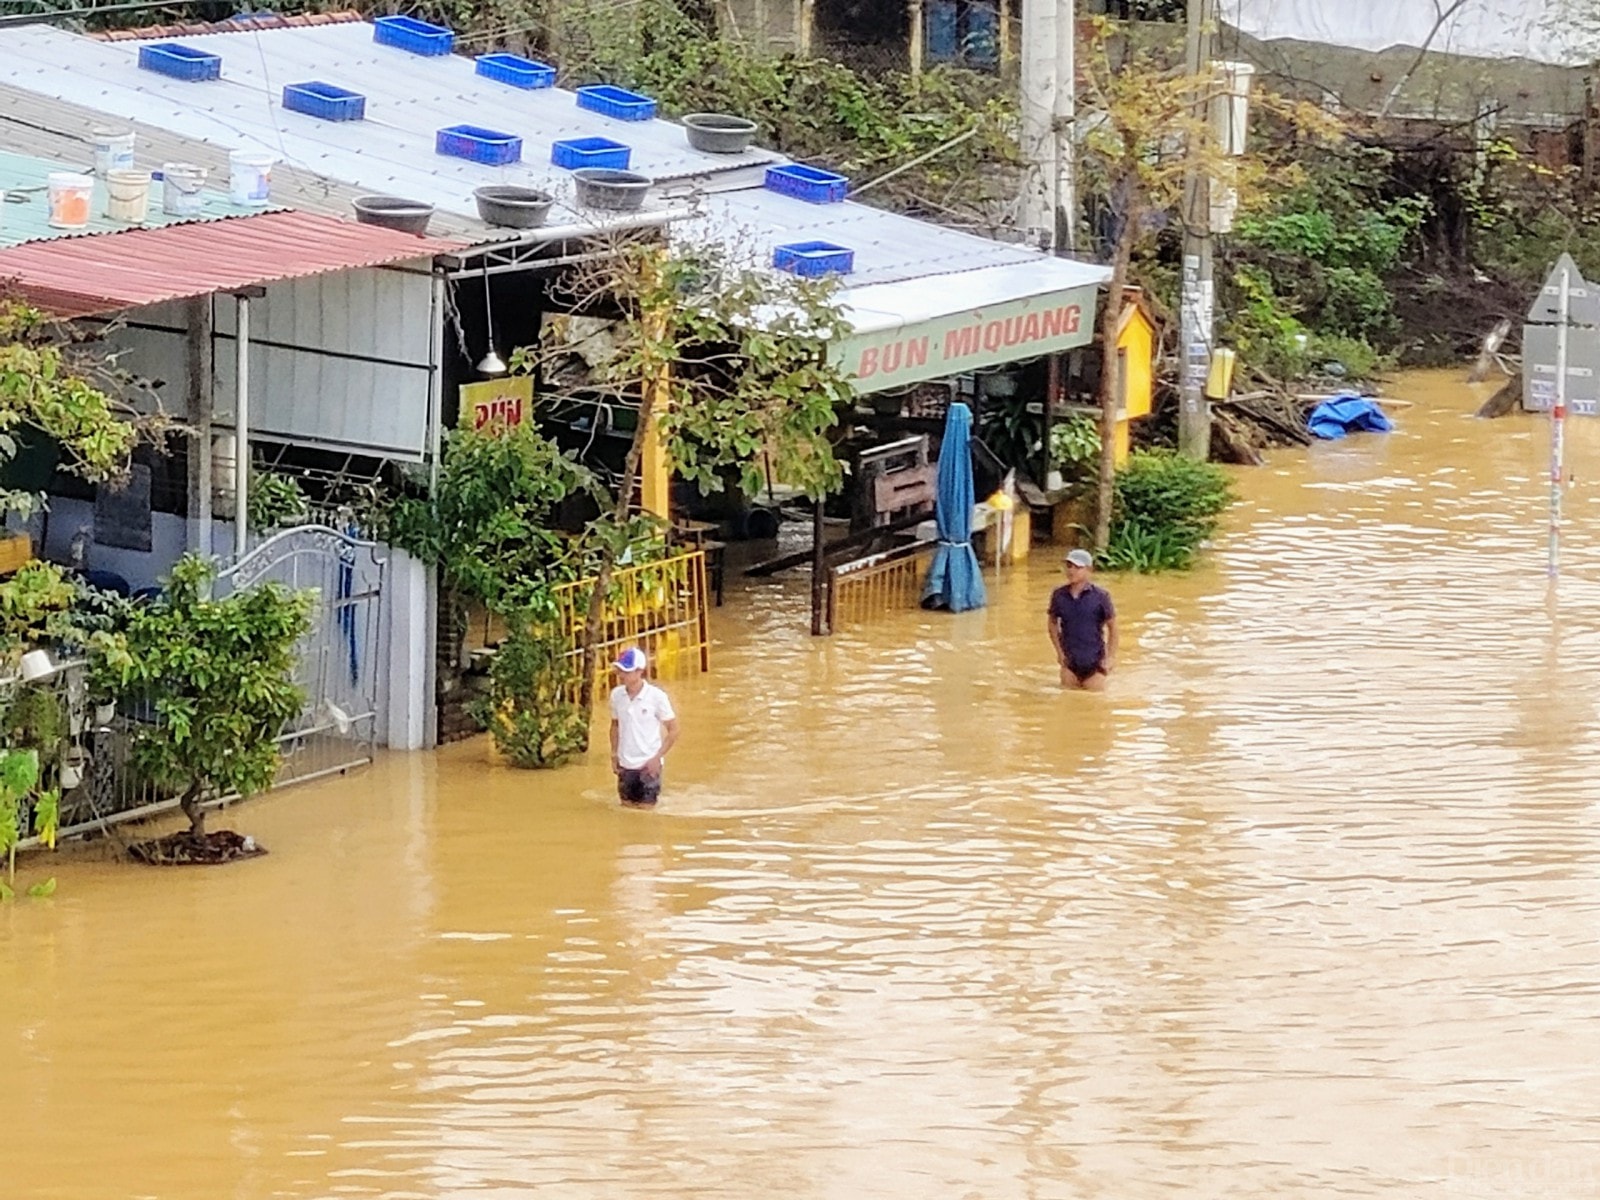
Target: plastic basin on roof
{"x": 810, "y": 184}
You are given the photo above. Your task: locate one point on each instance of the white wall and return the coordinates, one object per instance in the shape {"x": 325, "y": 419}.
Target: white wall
{"x": 336, "y": 360}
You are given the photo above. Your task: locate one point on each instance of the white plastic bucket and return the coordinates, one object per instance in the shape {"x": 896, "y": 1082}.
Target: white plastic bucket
{"x": 181, "y": 194}
{"x": 70, "y": 194}
{"x": 127, "y": 195}
{"x": 113, "y": 151}
{"x": 249, "y": 177}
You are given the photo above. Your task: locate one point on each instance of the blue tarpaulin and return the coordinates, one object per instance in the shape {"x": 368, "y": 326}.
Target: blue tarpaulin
{"x": 954, "y": 580}
{"x": 1346, "y": 414}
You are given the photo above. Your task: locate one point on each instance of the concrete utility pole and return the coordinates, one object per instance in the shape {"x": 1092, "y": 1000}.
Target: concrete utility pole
{"x": 1198, "y": 294}
{"x": 1065, "y": 115}
{"x": 1039, "y": 51}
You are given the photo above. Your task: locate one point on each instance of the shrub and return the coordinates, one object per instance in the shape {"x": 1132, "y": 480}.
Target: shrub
{"x": 1166, "y": 506}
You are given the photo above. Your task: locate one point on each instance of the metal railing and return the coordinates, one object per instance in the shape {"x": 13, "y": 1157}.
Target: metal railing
{"x": 661, "y": 607}
{"x": 867, "y": 589}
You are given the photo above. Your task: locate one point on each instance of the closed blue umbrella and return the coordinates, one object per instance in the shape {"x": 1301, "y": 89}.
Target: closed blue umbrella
{"x": 954, "y": 580}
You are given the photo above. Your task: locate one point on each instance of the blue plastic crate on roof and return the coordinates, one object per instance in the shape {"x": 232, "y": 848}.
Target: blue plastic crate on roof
{"x": 515, "y": 70}
{"x": 324, "y": 101}
{"x": 477, "y": 144}
{"x": 413, "y": 36}
{"x": 617, "y": 103}
{"x": 181, "y": 62}
{"x": 574, "y": 153}
{"x": 810, "y": 184}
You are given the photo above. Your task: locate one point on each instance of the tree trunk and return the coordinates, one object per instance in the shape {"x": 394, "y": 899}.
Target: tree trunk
{"x": 595, "y": 619}
{"x": 190, "y": 803}
{"x": 1110, "y": 381}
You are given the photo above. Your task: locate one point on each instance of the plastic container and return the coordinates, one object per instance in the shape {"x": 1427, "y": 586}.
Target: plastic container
{"x": 618, "y": 191}
{"x": 182, "y": 189}
{"x": 513, "y": 207}
{"x": 519, "y": 72}
{"x": 813, "y": 260}
{"x": 393, "y": 212}
{"x": 719, "y": 133}
{"x": 810, "y": 184}
{"x": 576, "y": 153}
{"x": 113, "y": 150}
{"x": 127, "y": 195}
{"x": 249, "y": 177}
{"x": 324, "y": 101}
{"x": 70, "y": 195}
{"x": 413, "y": 36}
{"x": 477, "y": 144}
{"x": 180, "y": 62}
{"x": 615, "y": 102}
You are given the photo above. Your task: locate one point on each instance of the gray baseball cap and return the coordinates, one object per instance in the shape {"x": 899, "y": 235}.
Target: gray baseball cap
{"x": 1079, "y": 558}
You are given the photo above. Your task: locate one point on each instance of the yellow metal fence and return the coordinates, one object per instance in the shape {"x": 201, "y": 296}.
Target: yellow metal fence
{"x": 659, "y": 607}
{"x": 872, "y": 587}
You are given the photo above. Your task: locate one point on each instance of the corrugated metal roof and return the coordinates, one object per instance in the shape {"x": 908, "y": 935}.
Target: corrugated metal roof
{"x": 84, "y": 276}
{"x": 887, "y": 245}
{"x": 408, "y": 100}
{"x": 26, "y": 215}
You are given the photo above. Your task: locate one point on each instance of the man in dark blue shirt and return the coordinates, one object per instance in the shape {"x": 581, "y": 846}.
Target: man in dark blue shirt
{"x": 1083, "y": 626}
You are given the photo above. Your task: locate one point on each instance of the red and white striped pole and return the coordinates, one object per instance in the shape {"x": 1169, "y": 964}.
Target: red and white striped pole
{"x": 1558, "y": 423}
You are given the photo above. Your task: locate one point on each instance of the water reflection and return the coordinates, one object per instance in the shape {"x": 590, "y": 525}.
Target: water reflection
{"x": 1303, "y": 904}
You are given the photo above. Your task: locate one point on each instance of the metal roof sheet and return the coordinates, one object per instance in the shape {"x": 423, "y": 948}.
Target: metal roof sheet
{"x": 26, "y": 213}
{"x": 83, "y": 276}
{"x": 409, "y": 98}
{"x": 900, "y": 261}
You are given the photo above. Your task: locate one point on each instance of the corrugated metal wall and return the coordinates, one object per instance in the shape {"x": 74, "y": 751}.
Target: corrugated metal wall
{"x": 337, "y": 360}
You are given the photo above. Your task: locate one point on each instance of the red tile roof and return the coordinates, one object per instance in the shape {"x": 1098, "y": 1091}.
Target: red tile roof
{"x": 85, "y": 276}
{"x": 240, "y": 24}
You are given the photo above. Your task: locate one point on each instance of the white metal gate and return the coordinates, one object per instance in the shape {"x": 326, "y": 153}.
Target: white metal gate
{"x": 338, "y": 658}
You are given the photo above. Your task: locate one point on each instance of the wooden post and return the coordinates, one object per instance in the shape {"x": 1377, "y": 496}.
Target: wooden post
{"x": 655, "y": 471}
{"x": 1003, "y": 18}
{"x": 199, "y": 329}
{"x": 819, "y": 572}
{"x": 805, "y": 14}
{"x": 914, "y": 11}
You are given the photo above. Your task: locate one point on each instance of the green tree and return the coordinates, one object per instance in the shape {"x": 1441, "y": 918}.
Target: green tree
{"x": 217, "y": 678}
{"x": 728, "y": 363}
{"x": 41, "y": 385}
{"x": 1147, "y": 127}
{"x": 21, "y": 801}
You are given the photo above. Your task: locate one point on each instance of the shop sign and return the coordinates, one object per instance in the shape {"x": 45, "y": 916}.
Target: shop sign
{"x": 496, "y": 403}
{"x": 982, "y": 337}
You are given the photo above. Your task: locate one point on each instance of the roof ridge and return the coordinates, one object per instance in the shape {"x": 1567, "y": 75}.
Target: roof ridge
{"x": 247, "y": 22}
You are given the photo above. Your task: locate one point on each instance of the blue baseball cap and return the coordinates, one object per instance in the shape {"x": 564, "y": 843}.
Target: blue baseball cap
{"x": 631, "y": 659}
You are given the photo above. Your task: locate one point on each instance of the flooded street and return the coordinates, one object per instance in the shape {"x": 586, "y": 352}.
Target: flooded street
{"x": 1306, "y": 904}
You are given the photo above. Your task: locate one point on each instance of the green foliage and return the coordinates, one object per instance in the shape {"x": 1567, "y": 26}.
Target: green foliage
{"x": 1075, "y": 449}
{"x": 489, "y": 523}
{"x": 22, "y": 804}
{"x": 530, "y": 709}
{"x": 39, "y": 387}
{"x": 1166, "y": 507}
{"x": 275, "y": 500}
{"x": 1308, "y": 269}
{"x": 218, "y": 678}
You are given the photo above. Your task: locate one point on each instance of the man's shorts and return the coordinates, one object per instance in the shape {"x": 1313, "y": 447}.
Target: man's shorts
{"x": 1083, "y": 672}
{"x": 635, "y": 787}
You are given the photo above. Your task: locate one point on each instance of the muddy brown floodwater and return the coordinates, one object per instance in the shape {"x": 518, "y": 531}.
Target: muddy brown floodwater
{"x": 1305, "y": 905}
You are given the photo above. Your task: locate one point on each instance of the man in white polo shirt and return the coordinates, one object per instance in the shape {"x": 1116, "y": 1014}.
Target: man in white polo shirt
{"x": 643, "y": 729}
